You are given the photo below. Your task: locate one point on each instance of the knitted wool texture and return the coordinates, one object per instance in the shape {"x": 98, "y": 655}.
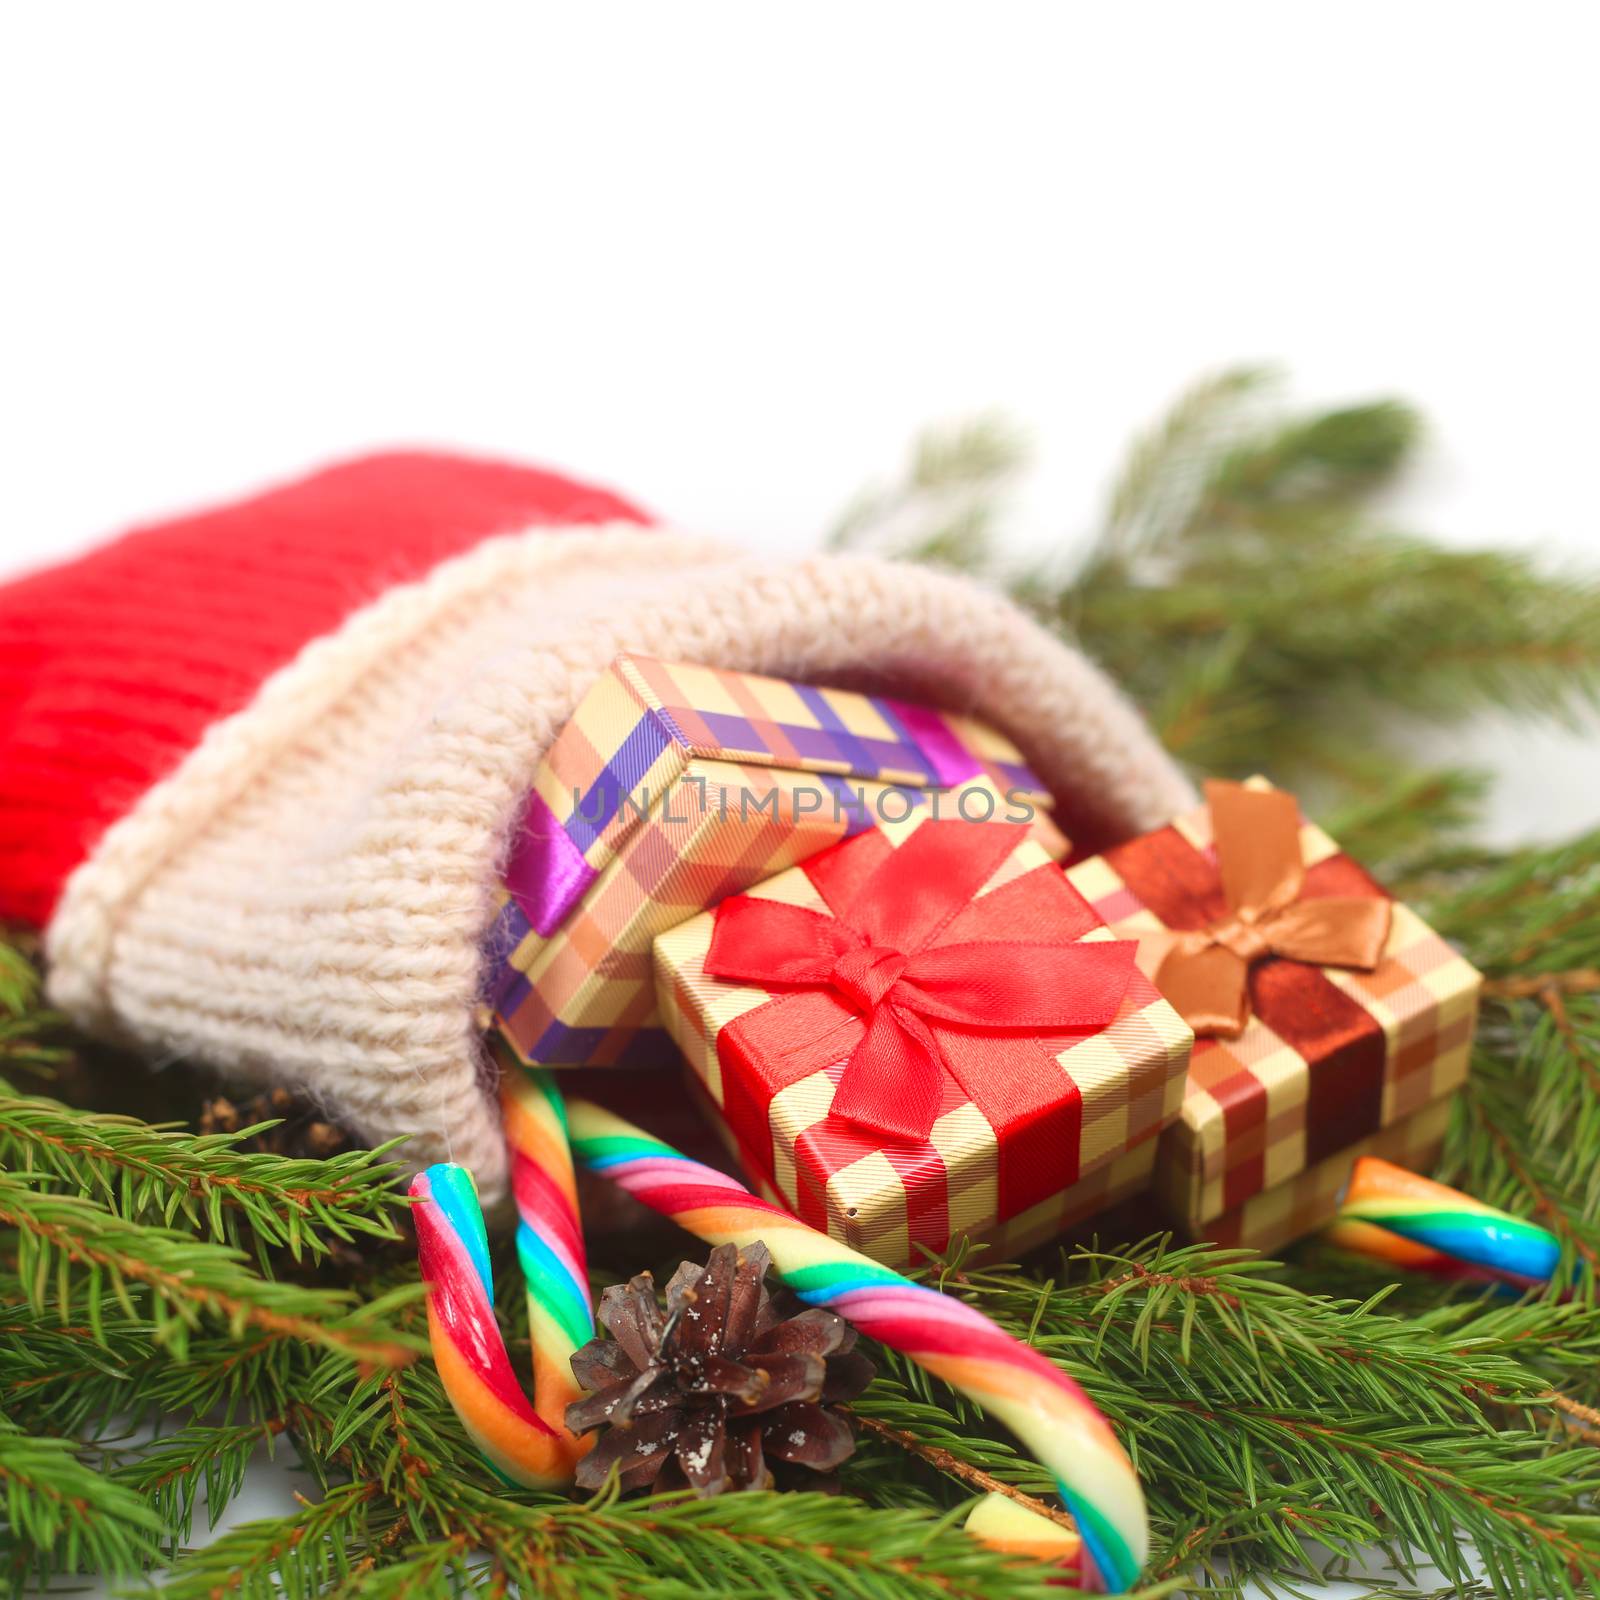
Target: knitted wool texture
{"x": 304, "y": 898}
{"x": 112, "y": 666}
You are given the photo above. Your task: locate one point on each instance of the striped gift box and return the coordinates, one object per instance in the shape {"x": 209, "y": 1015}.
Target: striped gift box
{"x": 673, "y": 786}
{"x": 1322, "y": 1064}
{"x": 1122, "y": 1178}
{"x": 1090, "y": 1147}
{"x": 1306, "y": 1202}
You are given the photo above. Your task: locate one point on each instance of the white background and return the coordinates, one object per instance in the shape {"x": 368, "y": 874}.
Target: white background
{"x": 729, "y": 258}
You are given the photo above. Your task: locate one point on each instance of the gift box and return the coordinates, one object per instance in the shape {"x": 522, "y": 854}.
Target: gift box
{"x": 924, "y": 1033}
{"x": 879, "y": 1234}
{"x": 1325, "y": 1012}
{"x": 673, "y": 786}
{"x": 1306, "y": 1202}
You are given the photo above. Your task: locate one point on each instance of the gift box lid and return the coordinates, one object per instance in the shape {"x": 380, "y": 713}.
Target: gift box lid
{"x": 1095, "y": 1092}
{"x": 1328, "y": 1054}
{"x": 644, "y": 720}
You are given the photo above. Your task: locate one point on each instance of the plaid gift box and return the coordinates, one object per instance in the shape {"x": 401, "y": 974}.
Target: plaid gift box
{"x": 673, "y": 786}
{"x": 1302, "y": 1204}
{"x": 1326, "y": 1056}
{"x": 1122, "y": 1178}
{"x": 1061, "y": 1122}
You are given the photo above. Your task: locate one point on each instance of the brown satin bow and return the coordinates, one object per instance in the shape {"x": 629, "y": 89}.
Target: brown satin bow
{"x": 1203, "y": 973}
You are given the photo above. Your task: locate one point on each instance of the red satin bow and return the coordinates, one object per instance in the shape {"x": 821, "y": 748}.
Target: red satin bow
{"x": 884, "y": 957}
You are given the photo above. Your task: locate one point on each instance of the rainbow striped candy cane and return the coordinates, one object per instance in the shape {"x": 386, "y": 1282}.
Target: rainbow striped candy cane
{"x": 1413, "y": 1222}
{"x": 956, "y": 1343}
{"x": 453, "y": 1251}
{"x": 526, "y": 1444}
{"x": 529, "y": 1444}
{"x": 549, "y": 1242}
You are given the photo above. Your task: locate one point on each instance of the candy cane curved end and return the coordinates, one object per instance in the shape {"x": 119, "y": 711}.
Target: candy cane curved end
{"x": 1002, "y": 1524}
{"x": 1411, "y": 1221}
{"x": 1039, "y": 1403}
{"x": 468, "y": 1349}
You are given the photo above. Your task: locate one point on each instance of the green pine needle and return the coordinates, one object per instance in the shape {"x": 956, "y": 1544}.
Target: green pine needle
{"x": 59, "y": 1514}
{"x": 76, "y": 1257}
{"x": 202, "y": 1181}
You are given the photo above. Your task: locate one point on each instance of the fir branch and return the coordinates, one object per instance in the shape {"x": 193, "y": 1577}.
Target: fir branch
{"x": 1336, "y": 1421}
{"x": 1530, "y": 1115}
{"x": 1581, "y": 1421}
{"x": 1243, "y": 588}
{"x": 70, "y": 1378}
{"x": 737, "y": 1544}
{"x": 1548, "y": 986}
{"x": 1319, "y": 630}
{"x": 946, "y": 507}
{"x": 171, "y": 1474}
{"x": 187, "y": 1280}
{"x": 162, "y": 1174}
{"x": 28, "y": 1031}
{"x": 444, "y": 1567}
{"x": 1166, "y": 470}
{"x": 393, "y": 1430}
{"x": 300, "y": 1556}
{"x": 1398, "y": 818}
{"x": 1328, "y": 458}
{"x": 759, "y": 1543}
{"x": 1492, "y": 1150}
{"x": 943, "y": 1459}
{"x": 1533, "y": 911}
{"x": 58, "y": 1514}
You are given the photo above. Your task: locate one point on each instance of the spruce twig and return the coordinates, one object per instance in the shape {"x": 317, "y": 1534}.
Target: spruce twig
{"x": 947, "y": 1461}
{"x": 168, "y": 1175}
{"x": 756, "y": 1543}
{"x": 946, "y": 509}
{"x": 58, "y": 1514}
{"x": 28, "y": 1032}
{"x": 187, "y": 1279}
{"x": 1232, "y": 1386}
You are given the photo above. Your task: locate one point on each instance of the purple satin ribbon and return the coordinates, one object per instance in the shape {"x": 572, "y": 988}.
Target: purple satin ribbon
{"x": 546, "y": 875}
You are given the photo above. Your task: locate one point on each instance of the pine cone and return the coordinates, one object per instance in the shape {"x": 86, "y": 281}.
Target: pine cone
{"x": 720, "y": 1385}
{"x": 300, "y": 1131}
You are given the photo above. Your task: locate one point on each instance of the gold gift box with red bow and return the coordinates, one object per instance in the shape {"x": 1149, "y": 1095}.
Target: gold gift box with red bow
{"x": 924, "y": 1033}
{"x": 1331, "y": 1021}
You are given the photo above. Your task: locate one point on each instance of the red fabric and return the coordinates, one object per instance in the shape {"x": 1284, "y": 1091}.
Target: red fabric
{"x": 114, "y": 665}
